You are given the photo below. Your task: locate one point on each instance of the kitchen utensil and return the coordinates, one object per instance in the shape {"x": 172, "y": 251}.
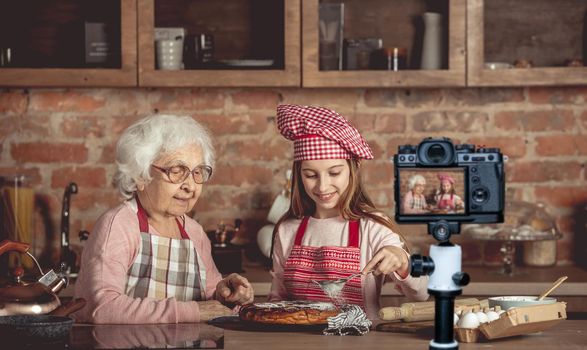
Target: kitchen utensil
{"x": 29, "y": 329}
{"x": 419, "y": 311}
{"x": 332, "y": 288}
{"x": 30, "y": 298}
{"x": 68, "y": 256}
{"x": 553, "y": 287}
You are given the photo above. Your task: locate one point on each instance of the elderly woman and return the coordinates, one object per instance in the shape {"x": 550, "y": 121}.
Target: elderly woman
{"x": 146, "y": 261}
{"x": 414, "y": 202}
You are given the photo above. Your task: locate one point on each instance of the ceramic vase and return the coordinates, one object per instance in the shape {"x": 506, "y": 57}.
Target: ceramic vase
{"x": 432, "y": 49}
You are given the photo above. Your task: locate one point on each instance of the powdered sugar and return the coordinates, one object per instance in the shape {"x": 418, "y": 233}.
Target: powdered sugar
{"x": 316, "y": 305}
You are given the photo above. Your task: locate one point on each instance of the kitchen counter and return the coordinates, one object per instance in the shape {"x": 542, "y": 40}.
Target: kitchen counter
{"x": 569, "y": 334}
{"x": 485, "y": 282}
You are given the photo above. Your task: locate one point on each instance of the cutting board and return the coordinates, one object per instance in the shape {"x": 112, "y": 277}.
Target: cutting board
{"x": 406, "y": 327}
{"x": 236, "y": 324}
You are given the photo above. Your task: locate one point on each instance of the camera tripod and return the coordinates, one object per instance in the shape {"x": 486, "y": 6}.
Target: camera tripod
{"x": 446, "y": 279}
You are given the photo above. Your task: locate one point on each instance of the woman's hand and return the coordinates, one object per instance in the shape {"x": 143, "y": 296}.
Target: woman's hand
{"x": 210, "y": 309}
{"x": 387, "y": 260}
{"x": 234, "y": 289}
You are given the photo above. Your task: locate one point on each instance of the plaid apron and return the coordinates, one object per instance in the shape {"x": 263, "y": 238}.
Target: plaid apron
{"x": 165, "y": 267}
{"x": 306, "y": 263}
{"x": 418, "y": 202}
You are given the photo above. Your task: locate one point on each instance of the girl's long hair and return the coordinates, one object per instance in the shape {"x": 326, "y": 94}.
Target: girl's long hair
{"x": 354, "y": 203}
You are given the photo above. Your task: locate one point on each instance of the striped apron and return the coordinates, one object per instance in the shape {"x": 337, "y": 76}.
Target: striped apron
{"x": 444, "y": 203}
{"x": 165, "y": 267}
{"x": 306, "y": 263}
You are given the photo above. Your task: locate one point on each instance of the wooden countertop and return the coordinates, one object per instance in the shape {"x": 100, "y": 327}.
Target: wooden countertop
{"x": 569, "y": 334}
{"x": 485, "y": 281}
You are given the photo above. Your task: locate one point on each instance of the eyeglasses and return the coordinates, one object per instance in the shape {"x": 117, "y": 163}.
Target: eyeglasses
{"x": 179, "y": 173}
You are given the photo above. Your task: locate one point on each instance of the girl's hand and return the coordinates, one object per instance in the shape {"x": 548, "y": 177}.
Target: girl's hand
{"x": 234, "y": 289}
{"x": 387, "y": 260}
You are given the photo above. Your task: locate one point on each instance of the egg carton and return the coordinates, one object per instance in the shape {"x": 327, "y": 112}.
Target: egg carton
{"x": 516, "y": 321}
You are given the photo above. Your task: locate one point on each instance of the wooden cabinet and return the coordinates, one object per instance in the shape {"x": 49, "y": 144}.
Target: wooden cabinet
{"x": 397, "y": 23}
{"x": 42, "y": 43}
{"x": 548, "y": 34}
{"x": 277, "y": 43}
{"x": 256, "y": 42}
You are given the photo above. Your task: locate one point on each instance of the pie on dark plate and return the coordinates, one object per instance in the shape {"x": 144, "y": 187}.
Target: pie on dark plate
{"x": 299, "y": 312}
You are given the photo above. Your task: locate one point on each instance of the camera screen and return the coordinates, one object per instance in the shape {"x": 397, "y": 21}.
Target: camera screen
{"x": 434, "y": 191}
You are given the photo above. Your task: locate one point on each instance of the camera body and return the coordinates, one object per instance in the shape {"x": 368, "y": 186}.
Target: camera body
{"x": 437, "y": 180}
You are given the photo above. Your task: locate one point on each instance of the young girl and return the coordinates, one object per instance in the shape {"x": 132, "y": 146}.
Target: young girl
{"x": 332, "y": 229}
{"x": 446, "y": 199}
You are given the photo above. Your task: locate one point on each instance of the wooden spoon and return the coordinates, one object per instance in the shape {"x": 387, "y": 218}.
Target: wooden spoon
{"x": 553, "y": 287}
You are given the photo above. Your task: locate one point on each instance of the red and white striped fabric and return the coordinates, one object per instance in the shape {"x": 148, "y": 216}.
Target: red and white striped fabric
{"x": 320, "y": 133}
{"x": 306, "y": 263}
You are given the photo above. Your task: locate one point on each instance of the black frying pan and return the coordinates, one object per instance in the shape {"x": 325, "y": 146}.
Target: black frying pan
{"x": 26, "y": 329}
{"x": 33, "y": 329}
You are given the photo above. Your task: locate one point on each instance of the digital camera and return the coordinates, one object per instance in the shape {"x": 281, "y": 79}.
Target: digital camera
{"x": 437, "y": 180}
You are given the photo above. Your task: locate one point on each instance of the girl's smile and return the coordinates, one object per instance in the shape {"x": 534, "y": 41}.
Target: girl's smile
{"x": 325, "y": 197}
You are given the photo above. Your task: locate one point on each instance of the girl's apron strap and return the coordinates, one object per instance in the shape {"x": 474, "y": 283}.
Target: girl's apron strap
{"x": 301, "y": 231}
{"x": 354, "y": 234}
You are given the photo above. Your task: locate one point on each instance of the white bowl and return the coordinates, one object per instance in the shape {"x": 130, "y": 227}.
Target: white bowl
{"x": 507, "y": 302}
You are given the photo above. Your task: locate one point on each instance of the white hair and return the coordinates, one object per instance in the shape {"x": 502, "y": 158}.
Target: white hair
{"x": 149, "y": 138}
{"x": 414, "y": 179}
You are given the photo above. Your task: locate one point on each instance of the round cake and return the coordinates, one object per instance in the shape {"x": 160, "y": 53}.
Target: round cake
{"x": 298, "y": 312}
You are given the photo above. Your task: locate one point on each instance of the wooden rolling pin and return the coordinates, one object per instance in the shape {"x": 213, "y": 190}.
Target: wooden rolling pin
{"x": 420, "y": 311}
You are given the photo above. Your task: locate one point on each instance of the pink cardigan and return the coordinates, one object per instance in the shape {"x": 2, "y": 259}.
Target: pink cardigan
{"x": 106, "y": 259}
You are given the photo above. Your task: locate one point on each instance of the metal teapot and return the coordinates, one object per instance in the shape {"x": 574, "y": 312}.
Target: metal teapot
{"x": 36, "y": 298}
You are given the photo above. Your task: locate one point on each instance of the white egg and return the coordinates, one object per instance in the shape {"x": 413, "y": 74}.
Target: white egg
{"x": 469, "y": 320}
{"x": 482, "y": 317}
{"x": 492, "y": 315}
{"x": 455, "y": 319}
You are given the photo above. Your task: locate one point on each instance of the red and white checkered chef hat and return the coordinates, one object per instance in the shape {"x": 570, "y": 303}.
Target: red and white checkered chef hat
{"x": 320, "y": 133}
{"x": 446, "y": 178}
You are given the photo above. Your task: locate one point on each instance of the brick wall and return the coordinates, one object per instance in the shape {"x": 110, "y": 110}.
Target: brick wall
{"x": 55, "y": 136}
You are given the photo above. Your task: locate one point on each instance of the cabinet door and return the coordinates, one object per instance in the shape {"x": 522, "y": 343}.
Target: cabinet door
{"x": 383, "y": 43}
{"x": 68, "y": 43}
{"x": 526, "y": 42}
{"x": 226, "y": 43}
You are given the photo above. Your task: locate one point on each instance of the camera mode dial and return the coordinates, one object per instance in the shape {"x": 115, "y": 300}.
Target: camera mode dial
{"x": 488, "y": 150}
{"x": 465, "y": 148}
{"x": 407, "y": 149}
